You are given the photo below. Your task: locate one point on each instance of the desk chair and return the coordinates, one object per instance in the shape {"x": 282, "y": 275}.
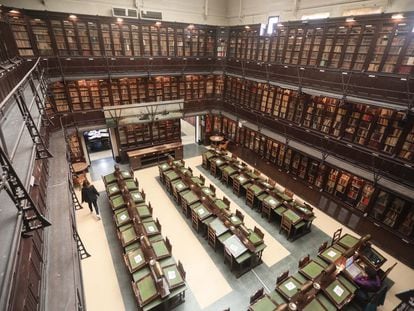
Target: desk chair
{"x": 250, "y": 198}
{"x": 228, "y": 257}
{"x": 176, "y": 195}
{"x": 225, "y": 178}
{"x": 143, "y": 194}
{"x": 257, "y": 295}
{"x": 236, "y": 187}
{"x": 205, "y": 162}
{"x": 271, "y": 182}
{"x": 240, "y": 215}
{"x": 203, "y": 179}
{"x": 384, "y": 275}
{"x": 233, "y": 156}
{"x": 226, "y": 201}
{"x": 286, "y": 225}
{"x": 322, "y": 247}
{"x": 213, "y": 168}
{"x": 168, "y": 244}
{"x": 195, "y": 221}
{"x": 304, "y": 261}
{"x": 257, "y": 172}
{"x": 283, "y": 276}
{"x": 211, "y": 236}
{"x": 259, "y": 232}
{"x": 289, "y": 193}
{"x": 161, "y": 174}
{"x": 266, "y": 210}
{"x": 336, "y": 236}
{"x": 213, "y": 189}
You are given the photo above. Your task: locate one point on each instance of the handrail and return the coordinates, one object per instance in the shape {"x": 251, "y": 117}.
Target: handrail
{"x": 5, "y": 100}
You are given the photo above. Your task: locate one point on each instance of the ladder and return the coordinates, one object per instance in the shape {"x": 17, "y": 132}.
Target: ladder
{"x": 79, "y": 244}
{"x": 9, "y": 181}
{"x": 41, "y": 151}
{"x": 75, "y": 201}
{"x": 40, "y": 104}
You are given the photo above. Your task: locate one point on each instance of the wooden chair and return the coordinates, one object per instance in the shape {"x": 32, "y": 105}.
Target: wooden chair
{"x": 205, "y": 162}
{"x": 161, "y": 173}
{"x": 256, "y": 296}
{"x": 203, "y": 179}
{"x": 213, "y": 189}
{"x": 150, "y": 207}
{"x": 143, "y": 194}
{"x": 211, "y": 236}
{"x": 181, "y": 269}
{"x": 304, "y": 261}
{"x": 271, "y": 182}
{"x": 213, "y": 168}
{"x": 136, "y": 182}
{"x": 185, "y": 208}
{"x": 176, "y": 195}
{"x": 223, "y": 146}
{"x": 195, "y": 221}
{"x": 384, "y": 275}
{"x": 259, "y": 232}
{"x": 233, "y": 156}
{"x": 322, "y": 247}
{"x": 190, "y": 170}
{"x": 225, "y": 178}
{"x": 266, "y": 210}
{"x": 257, "y": 172}
{"x": 336, "y": 236}
{"x": 157, "y": 223}
{"x": 168, "y": 244}
{"x": 283, "y": 276}
{"x": 240, "y": 215}
{"x": 226, "y": 201}
{"x": 250, "y": 198}
{"x": 228, "y": 257}
{"x": 236, "y": 187}
{"x": 286, "y": 225}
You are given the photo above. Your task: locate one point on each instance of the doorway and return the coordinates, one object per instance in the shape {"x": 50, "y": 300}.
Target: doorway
{"x": 98, "y": 144}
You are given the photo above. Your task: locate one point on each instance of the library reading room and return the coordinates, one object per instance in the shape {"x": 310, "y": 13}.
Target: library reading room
{"x": 189, "y": 155}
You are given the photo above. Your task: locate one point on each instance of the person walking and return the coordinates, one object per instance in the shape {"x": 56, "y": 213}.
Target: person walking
{"x": 90, "y": 195}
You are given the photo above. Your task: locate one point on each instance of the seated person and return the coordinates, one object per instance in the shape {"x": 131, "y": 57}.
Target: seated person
{"x": 368, "y": 282}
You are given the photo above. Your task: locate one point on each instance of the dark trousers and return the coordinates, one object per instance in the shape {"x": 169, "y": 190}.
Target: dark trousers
{"x": 95, "y": 205}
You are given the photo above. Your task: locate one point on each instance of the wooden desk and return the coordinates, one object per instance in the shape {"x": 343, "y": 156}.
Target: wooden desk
{"x": 153, "y": 155}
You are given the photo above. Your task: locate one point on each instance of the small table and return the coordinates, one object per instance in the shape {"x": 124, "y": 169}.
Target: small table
{"x": 289, "y": 287}
{"x": 216, "y": 139}
{"x": 235, "y": 246}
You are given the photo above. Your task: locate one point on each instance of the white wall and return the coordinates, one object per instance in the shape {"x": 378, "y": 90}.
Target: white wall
{"x": 189, "y": 11}
{"x": 258, "y": 11}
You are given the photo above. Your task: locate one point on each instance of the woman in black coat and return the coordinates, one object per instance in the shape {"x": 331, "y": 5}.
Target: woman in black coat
{"x": 90, "y": 195}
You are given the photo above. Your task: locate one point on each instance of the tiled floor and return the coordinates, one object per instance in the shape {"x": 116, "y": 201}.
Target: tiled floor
{"x": 211, "y": 285}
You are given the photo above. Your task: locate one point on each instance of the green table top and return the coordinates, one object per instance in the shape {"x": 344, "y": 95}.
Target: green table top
{"x": 209, "y": 154}
{"x": 179, "y": 185}
{"x": 219, "y": 162}
{"x": 173, "y": 276}
{"x": 331, "y": 254}
{"x": 263, "y": 304}
{"x": 178, "y": 163}
{"x": 137, "y": 196}
{"x": 135, "y": 258}
{"x": 254, "y": 238}
{"x": 256, "y": 189}
{"x": 207, "y": 191}
{"x": 277, "y": 297}
{"x": 325, "y": 302}
{"x": 218, "y": 226}
{"x": 122, "y": 217}
{"x": 229, "y": 170}
{"x": 314, "y": 305}
{"x": 272, "y": 201}
{"x": 202, "y": 212}
{"x": 190, "y": 197}
{"x": 109, "y": 178}
{"x": 131, "y": 184}
{"x": 292, "y": 216}
{"x": 143, "y": 210}
{"x": 139, "y": 274}
{"x": 337, "y": 292}
{"x": 348, "y": 284}
{"x": 289, "y": 287}
{"x": 112, "y": 189}
{"x": 171, "y": 175}
{"x": 150, "y": 227}
{"x": 280, "y": 210}
{"x": 236, "y": 221}
{"x": 146, "y": 288}
{"x": 348, "y": 241}
{"x": 160, "y": 249}
{"x": 252, "y": 175}
{"x": 242, "y": 179}
{"x": 117, "y": 201}
{"x": 225, "y": 236}
{"x": 128, "y": 234}
{"x": 283, "y": 196}
{"x": 312, "y": 270}
{"x": 131, "y": 247}
{"x": 220, "y": 204}
{"x": 196, "y": 180}
{"x": 126, "y": 174}
{"x": 164, "y": 167}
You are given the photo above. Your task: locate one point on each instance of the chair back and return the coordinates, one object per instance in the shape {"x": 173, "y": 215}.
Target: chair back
{"x": 143, "y": 194}
{"x": 234, "y": 156}
{"x": 259, "y": 232}
{"x": 256, "y": 172}
{"x": 212, "y": 188}
{"x": 322, "y": 247}
{"x": 283, "y": 276}
{"x": 190, "y": 170}
{"x": 379, "y": 297}
{"x": 150, "y": 207}
{"x": 304, "y": 261}
{"x": 226, "y": 201}
{"x": 181, "y": 269}
{"x": 168, "y": 244}
{"x": 289, "y": 193}
{"x": 257, "y": 295}
{"x": 157, "y": 222}
{"x": 336, "y": 236}
{"x": 203, "y": 179}
{"x": 271, "y": 182}
{"x": 240, "y": 215}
